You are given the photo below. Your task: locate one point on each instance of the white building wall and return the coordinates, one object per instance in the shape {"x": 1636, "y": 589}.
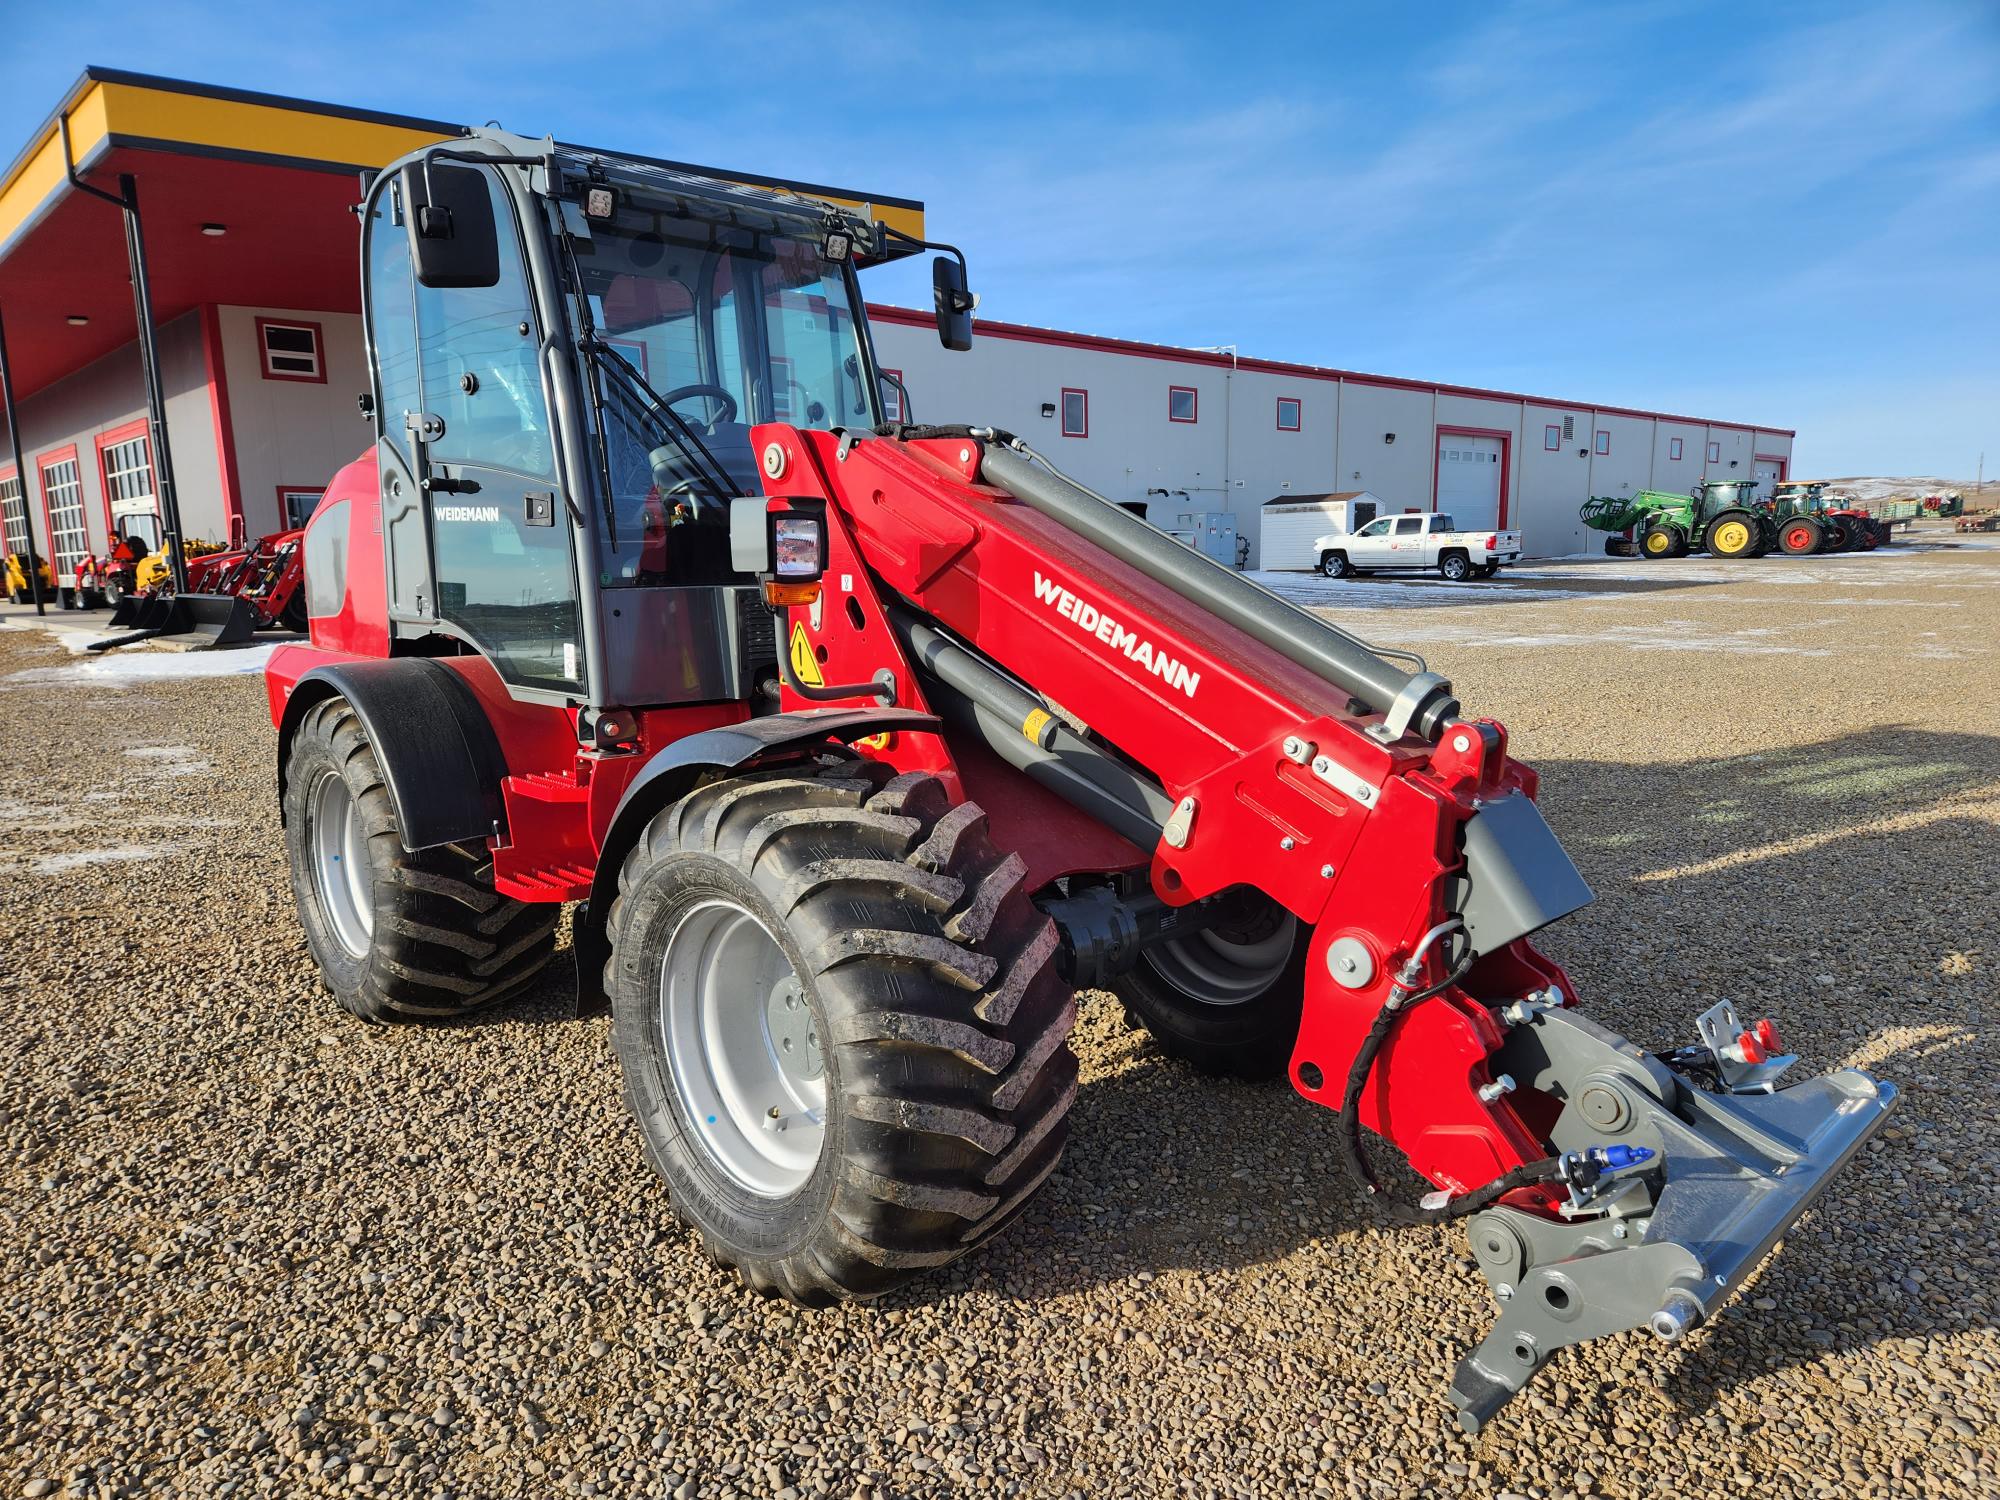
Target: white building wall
{"x": 1628, "y": 467}
{"x": 1678, "y": 475}
{"x": 291, "y": 432}
{"x": 1234, "y": 458}
{"x": 111, "y": 392}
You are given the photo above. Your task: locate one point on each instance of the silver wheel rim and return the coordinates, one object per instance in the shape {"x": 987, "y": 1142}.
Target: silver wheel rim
{"x": 340, "y": 863}
{"x": 1224, "y": 966}
{"x": 743, "y": 1049}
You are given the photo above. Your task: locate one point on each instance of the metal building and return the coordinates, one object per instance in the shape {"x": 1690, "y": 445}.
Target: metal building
{"x": 180, "y": 306}
{"x": 1190, "y": 431}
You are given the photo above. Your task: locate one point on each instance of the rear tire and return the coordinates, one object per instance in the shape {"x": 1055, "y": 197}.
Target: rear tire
{"x": 397, "y": 936}
{"x": 1486, "y": 570}
{"x": 1226, "y": 1000}
{"x": 1732, "y": 534}
{"x": 294, "y": 616}
{"x": 932, "y": 1009}
{"x": 1454, "y": 567}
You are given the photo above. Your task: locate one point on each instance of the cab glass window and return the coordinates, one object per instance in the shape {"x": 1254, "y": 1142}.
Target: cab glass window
{"x": 499, "y": 539}
{"x": 482, "y": 363}
{"x": 1375, "y": 528}
{"x": 1409, "y": 525}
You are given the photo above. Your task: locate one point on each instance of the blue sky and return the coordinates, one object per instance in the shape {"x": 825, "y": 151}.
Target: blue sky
{"x": 1783, "y": 213}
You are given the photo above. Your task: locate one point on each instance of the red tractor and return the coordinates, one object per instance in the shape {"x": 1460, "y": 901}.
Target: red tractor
{"x": 861, "y": 780}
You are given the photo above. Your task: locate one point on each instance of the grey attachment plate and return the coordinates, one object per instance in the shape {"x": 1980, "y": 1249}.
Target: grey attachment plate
{"x": 1731, "y": 1174}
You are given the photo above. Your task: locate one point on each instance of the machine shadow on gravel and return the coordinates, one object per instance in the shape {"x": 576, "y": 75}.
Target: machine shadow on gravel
{"x": 1843, "y": 929}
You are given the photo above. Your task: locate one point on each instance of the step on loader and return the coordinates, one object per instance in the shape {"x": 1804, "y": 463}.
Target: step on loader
{"x": 866, "y": 747}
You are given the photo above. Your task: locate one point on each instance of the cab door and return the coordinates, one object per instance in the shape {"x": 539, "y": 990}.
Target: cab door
{"x": 479, "y": 544}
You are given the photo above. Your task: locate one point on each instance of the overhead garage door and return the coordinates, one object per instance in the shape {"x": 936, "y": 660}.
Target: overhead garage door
{"x": 1468, "y": 471}
{"x": 1769, "y": 472}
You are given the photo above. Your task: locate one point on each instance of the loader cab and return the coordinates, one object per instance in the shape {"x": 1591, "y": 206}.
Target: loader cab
{"x": 564, "y": 391}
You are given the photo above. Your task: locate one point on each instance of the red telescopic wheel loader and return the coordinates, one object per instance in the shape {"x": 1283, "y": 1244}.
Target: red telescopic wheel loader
{"x": 867, "y": 746}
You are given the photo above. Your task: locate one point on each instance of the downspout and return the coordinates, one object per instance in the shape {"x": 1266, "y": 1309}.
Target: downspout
{"x": 127, "y": 200}
{"x": 21, "y": 474}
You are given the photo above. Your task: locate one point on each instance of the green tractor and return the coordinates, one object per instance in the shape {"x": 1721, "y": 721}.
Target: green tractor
{"x": 1810, "y": 521}
{"x": 1721, "y": 517}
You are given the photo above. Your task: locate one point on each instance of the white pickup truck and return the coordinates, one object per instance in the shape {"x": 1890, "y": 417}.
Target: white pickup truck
{"x": 1417, "y": 542}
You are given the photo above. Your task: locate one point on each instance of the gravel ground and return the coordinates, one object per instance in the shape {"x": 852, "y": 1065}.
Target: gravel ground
{"x": 253, "y": 1247}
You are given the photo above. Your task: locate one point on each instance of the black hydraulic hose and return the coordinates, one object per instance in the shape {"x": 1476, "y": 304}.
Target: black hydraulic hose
{"x": 1546, "y": 1170}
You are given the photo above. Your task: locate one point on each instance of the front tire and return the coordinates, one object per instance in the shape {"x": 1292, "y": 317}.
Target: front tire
{"x": 925, "y": 1093}
{"x": 1662, "y": 541}
{"x": 1334, "y": 565}
{"x": 1228, "y": 999}
{"x": 398, "y": 936}
{"x": 1800, "y": 537}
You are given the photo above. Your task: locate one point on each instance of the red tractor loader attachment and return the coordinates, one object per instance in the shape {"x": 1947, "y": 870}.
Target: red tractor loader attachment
{"x": 231, "y": 595}
{"x": 863, "y": 779}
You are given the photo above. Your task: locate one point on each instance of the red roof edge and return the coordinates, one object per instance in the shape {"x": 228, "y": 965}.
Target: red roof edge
{"x": 911, "y": 318}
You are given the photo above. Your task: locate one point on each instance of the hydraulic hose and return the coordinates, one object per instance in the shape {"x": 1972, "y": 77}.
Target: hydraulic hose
{"x": 1549, "y": 1169}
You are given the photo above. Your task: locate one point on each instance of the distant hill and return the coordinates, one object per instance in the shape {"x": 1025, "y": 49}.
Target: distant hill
{"x": 1915, "y": 487}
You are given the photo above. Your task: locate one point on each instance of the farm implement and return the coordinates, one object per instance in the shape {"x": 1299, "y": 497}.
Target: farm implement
{"x": 861, "y": 779}
{"x": 231, "y": 594}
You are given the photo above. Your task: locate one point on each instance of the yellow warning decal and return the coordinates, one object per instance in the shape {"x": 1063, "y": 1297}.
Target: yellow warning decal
{"x": 1031, "y": 727}
{"x": 805, "y": 665}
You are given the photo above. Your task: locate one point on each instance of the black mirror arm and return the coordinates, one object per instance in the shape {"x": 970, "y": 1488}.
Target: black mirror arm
{"x": 916, "y": 244}
{"x": 473, "y": 158}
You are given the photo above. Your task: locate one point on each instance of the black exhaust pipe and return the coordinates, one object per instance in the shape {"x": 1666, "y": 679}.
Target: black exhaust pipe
{"x": 1412, "y": 701}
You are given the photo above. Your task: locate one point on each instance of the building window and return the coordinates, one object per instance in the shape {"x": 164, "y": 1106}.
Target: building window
{"x": 291, "y": 351}
{"x": 1181, "y": 403}
{"x": 125, "y": 464}
{"x": 1289, "y": 410}
{"x": 636, "y": 354}
{"x": 14, "y": 518}
{"x": 892, "y": 396}
{"x": 62, "y": 502}
{"x": 781, "y": 388}
{"x": 1715, "y": 453}
{"x": 1673, "y": 450}
{"x": 297, "y": 502}
{"x": 1075, "y": 413}
{"x": 1552, "y": 438}
{"x": 1603, "y": 441}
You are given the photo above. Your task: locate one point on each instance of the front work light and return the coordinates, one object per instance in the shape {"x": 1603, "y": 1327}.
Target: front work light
{"x": 599, "y": 202}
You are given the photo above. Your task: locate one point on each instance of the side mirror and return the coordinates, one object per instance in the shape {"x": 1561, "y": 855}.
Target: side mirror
{"x": 448, "y": 213}
{"x": 954, "y": 302}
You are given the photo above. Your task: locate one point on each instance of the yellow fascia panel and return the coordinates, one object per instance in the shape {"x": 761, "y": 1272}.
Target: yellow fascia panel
{"x": 255, "y": 129}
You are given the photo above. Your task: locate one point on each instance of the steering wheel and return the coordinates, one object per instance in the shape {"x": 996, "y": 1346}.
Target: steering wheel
{"x": 681, "y": 393}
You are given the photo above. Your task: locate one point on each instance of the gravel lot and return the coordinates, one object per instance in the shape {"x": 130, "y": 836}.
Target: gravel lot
{"x": 253, "y": 1247}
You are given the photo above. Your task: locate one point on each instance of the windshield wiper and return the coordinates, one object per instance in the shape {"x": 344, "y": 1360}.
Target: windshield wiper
{"x": 683, "y": 433}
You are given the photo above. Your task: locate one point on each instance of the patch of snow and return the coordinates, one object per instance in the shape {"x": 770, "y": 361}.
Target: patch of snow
{"x": 1749, "y": 642}
{"x": 117, "y": 854}
{"x": 1315, "y": 592}
{"x": 151, "y": 666}
{"x": 171, "y": 760}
